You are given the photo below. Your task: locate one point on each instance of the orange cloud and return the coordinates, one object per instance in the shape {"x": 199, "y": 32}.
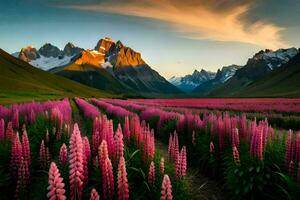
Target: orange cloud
{"x": 200, "y": 20}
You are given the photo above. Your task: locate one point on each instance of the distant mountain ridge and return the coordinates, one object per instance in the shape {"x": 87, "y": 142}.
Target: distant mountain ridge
{"x": 109, "y": 66}
{"x": 189, "y": 82}
{"x": 221, "y": 77}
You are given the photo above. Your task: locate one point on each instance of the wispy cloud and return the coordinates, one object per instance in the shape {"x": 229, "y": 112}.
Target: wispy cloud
{"x": 218, "y": 20}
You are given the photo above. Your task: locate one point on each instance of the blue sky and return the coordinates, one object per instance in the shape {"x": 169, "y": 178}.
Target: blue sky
{"x": 174, "y": 37}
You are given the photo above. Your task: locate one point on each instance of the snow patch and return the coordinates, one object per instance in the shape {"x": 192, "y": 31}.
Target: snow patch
{"x": 47, "y": 63}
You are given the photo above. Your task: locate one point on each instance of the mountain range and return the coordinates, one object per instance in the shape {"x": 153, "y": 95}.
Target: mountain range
{"x": 116, "y": 68}
{"x": 235, "y": 80}
{"x": 108, "y": 66}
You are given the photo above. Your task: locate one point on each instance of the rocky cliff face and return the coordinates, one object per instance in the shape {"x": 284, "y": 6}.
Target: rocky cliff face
{"x": 90, "y": 57}
{"x": 28, "y": 54}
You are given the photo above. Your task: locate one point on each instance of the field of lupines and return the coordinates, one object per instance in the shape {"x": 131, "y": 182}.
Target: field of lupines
{"x": 106, "y": 149}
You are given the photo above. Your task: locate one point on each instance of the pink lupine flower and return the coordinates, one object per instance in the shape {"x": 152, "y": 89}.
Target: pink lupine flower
{"x": 123, "y": 190}
{"x": 288, "y": 148}
{"x": 127, "y": 130}
{"x": 183, "y": 161}
{"x": 23, "y": 178}
{"x": 102, "y": 153}
{"x": 194, "y": 138}
{"x": 56, "y": 185}
{"x": 166, "y": 189}
{"x": 63, "y": 154}
{"x": 108, "y": 180}
{"x": 76, "y": 164}
{"x": 291, "y": 168}
{"x": 94, "y": 195}
{"x": 2, "y": 129}
{"x": 110, "y": 139}
{"x": 162, "y": 166}
{"x": 119, "y": 146}
{"x": 16, "y": 155}
{"x": 9, "y": 131}
{"x": 178, "y": 165}
{"x": 211, "y": 148}
{"x": 87, "y": 148}
{"x": 26, "y": 147}
{"x": 259, "y": 144}
{"x": 236, "y": 156}
{"x": 151, "y": 176}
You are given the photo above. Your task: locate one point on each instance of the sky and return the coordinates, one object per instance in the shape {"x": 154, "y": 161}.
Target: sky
{"x": 175, "y": 37}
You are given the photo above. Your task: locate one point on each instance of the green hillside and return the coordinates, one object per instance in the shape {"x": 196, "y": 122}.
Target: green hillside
{"x": 283, "y": 82}
{"x": 91, "y": 76}
{"x": 19, "y": 82}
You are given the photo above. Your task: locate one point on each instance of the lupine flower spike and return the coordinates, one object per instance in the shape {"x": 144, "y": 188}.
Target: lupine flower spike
{"x": 56, "y": 185}
{"x": 166, "y": 189}
{"x": 94, "y": 195}
{"x": 123, "y": 190}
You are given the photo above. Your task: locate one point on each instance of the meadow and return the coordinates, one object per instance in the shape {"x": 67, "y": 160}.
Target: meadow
{"x": 92, "y": 148}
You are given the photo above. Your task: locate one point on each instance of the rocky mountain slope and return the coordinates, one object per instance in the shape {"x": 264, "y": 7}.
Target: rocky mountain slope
{"x": 258, "y": 66}
{"x": 189, "y": 82}
{"x": 281, "y": 82}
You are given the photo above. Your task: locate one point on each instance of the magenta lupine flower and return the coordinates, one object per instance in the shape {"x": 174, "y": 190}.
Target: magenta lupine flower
{"x": 63, "y": 154}
{"x": 291, "y": 168}
{"x": 178, "y": 165}
{"x": 151, "y": 175}
{"x": 16, "y": 155}
{"x": 236, "y": 156}
{"x": 108, "y": 180}
{"x": 2, "y": 129}
{"x": 86, "y": 157}
{"x": 23, "y": 178}
{"x": 94, "y": 195}
{"x": 211, "y": 148}
{"x": 123, "y": 189}
{"x": 119, "y": 146}
{"x": 166, "y": 189}
{"x": 110, "y": 139}
{"x": 76, "y": 164}
{"x": 194, "y": 138}
{"x": 56, "y": 185}
{"x": 127, "y": 130}
{"x": 26, "y": 147}
{"x": 170, "y": 147}
{"x": 288, "y": 148}
{"x": 9, "y": 131}
{"x": 162, "y": 166}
